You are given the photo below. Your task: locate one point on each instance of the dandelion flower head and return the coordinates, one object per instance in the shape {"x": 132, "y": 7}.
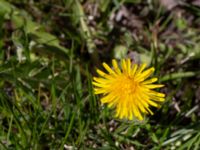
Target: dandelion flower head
{"x": 127, "y": 89}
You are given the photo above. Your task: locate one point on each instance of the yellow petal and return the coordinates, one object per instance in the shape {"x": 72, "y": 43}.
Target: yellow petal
{"x": 115, "y": 65}
{"x": 128, "y": 66}
{"x": 101, "y": 80}
{"x": 100, "y": 84}
{"x": 101, "y": 73}
{"x": 108, "y": 98}
{"x": 158, "y": 94}
{"x": 124, "y": 67}
{"x": 145, "y": 74}
{"x": 155, "y": 98}
{"x": 100, "y": 91}
{"x": 152, "y": 103}
{"x": 133, "y": 70}
{"x": 108, "y": 68}
{"x": 153, "y": 86}
{"x": 141, "y": 68}
{"x": 150, "y": 81}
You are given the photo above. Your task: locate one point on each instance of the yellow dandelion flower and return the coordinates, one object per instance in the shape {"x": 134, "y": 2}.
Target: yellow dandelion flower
{"x": 127, "y": 89}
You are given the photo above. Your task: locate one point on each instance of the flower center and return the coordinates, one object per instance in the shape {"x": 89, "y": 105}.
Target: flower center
{"x": 129, "y": 86}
